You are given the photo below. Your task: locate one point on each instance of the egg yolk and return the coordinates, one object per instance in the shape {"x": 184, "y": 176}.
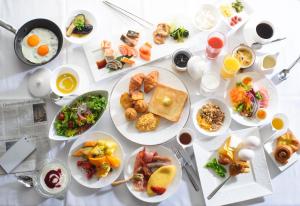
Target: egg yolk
{"x": 33, "y": 40}
{"x": 43, "y": 50}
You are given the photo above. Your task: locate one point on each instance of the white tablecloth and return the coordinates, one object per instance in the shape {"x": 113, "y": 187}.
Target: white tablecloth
{"x": 286, "y": 185}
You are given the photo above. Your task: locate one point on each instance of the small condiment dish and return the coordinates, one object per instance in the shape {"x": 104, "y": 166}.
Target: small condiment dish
{"x": 268, "y": 62}
{"x": 280, "y": 123}
{"x": 64, "y": 69}
{"x": 185, "y": 137}
{"x": 180, "y": 59}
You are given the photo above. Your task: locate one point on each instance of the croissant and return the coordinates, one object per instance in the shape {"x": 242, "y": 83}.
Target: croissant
{"x": 289, "y": 139}
{"x": 282, "y": 153}
{"x": 136, "y": 82}
{"x": 150, "y": 81}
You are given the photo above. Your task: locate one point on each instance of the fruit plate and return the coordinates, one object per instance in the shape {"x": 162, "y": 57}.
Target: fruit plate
{"x": 166, "y": 129}
{"x": 162, "y": 151}
{"x": 52, "y": 131}
{"x": 244, "y": 15}
{"x": 256, "y": 183}
{"x": 79, "y": 175}
{"x": 269, "y": 148}
{"x": 259, "y": 81}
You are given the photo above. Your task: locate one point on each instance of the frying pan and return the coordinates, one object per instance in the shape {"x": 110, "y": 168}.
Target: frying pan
{"x": 25, "y": 29}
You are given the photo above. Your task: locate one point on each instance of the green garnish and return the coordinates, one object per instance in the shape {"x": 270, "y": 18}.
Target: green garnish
{"x": 179, "y": 34}
{"x": 216, "y": 167}
{"x": 240, "y": 108}
{"x": 238, "y": 6}
{"x": 79, "y": 23}
{"x": 258, "y": 95}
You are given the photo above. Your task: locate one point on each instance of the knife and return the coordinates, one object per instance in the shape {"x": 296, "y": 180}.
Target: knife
{"x": 189, "y": 170}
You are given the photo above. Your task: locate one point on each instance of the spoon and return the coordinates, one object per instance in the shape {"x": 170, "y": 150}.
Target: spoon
{"x": 25, "y": 180}
{"x": 55, "y": 98}
{"x": 258, "y": 45}
{"x": 283, "y": 75}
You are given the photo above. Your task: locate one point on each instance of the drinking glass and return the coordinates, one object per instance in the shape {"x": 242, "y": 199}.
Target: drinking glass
{"x": 210, "y": 83}
{"x": 230, "y": 67}
{"x": 215, "y": 43}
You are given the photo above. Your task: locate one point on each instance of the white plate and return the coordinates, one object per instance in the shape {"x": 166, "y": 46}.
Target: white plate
{"x": 245, "y": 15}
{"x": 270, "y": 146}
{"x": 163, "y": 151}
{"x": 256, "y": 183}
{"x": 90, "y": 18}
{"x": 259, "y": 80}
{"x": 166, "y": 129}
{"x": 223, "y": 107}
{"x": 80, "y": 176}
{"x": 52, "y": 132}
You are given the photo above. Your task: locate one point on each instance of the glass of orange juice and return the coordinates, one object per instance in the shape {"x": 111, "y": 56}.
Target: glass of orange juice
{"x": 230, "y": 67}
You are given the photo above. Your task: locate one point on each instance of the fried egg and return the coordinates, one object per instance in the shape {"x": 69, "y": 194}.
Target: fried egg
{"x": 39, "y": 45}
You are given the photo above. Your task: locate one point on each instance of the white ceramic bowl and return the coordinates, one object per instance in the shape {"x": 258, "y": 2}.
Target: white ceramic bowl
{"x": 80, "y": 40}
{"x": 206, "y": 8}
{"x": 223, "y": 108}
{"x": 52, "y": 131}
{"x": 80, "y": 176}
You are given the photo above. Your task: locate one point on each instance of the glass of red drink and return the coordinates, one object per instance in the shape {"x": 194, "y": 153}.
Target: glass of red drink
{"x": 215, "y": 43}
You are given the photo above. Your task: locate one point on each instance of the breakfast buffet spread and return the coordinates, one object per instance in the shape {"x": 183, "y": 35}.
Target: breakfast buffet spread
{"x": 150, "y": 105}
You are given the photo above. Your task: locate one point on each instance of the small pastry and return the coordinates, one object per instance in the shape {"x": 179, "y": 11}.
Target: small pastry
{"x": 130, "y": 114}
{"x": 289, "y": 139}
{"x": 125, "y": 100}
{"x": 136, "y": 82}
{"x": 141, "y": 106}
{"x": 150, "y": 81}
{"x": 137, "y": 95}
{"x": 282, "y": 153}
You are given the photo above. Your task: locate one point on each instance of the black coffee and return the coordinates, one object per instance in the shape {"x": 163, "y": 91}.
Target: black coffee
{"x": 264, "y": 30}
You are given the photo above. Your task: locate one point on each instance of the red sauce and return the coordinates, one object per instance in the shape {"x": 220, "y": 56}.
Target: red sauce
{"x": 52, "y": 178}
{"x": 185, "y": 138}
{"x": 215, "y": 42}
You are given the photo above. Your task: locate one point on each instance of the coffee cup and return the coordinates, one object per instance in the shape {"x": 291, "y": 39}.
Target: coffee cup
{"x": 264, "y": 31}
{"x": 64, "y": 80}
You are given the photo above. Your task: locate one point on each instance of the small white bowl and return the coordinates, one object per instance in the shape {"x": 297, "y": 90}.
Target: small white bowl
{"x": 207, "y": 8}
{"x": 222, "y": 106}
{"x": 285, "y": 120}
{"x": 80, "y": 40}
{"x": 190, "y": 132}
{"x": 61, "y": 70}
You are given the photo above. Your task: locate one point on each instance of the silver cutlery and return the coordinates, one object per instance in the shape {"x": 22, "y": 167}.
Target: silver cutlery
{"x": 193, "y": 177}
{"x": 218, "y": 188}
{"x": 27, "y": 181}
{"x": 258, "y": 45}
{"x": 283, "y": 75}
{"x": 56, "y": 98}
{"x": 130, "y": 15}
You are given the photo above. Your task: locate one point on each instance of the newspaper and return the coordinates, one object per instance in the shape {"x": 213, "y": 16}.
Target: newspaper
{"x": 20, "y": 118}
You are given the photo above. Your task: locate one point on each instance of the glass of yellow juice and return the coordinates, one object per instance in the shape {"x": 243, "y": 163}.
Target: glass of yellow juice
{"x": 230, "y": 67}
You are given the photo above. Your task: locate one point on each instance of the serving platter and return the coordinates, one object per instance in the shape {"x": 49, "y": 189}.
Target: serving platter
{"x": 256, "y": 183}
{"x": 259, "y": 81}
{"x": 166, "y": 129}
{"x": 79, "y": 175}
{"x": 163, "y": 151}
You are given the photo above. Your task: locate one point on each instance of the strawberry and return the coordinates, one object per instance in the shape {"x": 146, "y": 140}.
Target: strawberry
{"x": 158, "y": 190}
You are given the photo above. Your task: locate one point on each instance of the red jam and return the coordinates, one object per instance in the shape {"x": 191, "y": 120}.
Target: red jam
{"x": 52, "y": 178}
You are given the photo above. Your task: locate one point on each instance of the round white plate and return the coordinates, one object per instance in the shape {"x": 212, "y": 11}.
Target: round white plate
{"x": 162, "y": 151}
{"x": 259, "y": 80}
{"x": 80, "y": 176}
{"x": 90, "y": 18}
{"x": 166, "y": 129}
{"x": 223, "y": 108}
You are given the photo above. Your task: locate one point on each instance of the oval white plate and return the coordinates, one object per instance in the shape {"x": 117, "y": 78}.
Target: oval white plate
{"x": 259, "y": 80}
{"x": 52, "y": 132}
{"x": 90, "y": 18}
{"x": 224, "y": 108}
{"x": 163, "y": 151}
{"x": 80, "y": 176}
{"x": 166, "y": 129}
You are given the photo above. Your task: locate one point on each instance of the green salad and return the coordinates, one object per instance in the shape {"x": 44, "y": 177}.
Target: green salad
{"x": 80, "y": 115}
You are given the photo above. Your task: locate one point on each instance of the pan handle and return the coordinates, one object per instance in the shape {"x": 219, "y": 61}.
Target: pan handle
{"x": 7, "y": 26}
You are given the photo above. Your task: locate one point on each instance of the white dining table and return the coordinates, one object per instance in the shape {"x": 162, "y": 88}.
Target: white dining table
{"x": 13, "y": 84}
